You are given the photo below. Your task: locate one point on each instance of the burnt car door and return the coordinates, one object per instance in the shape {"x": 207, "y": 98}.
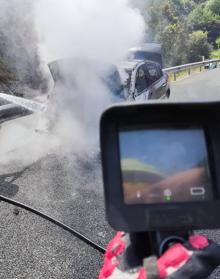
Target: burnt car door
{"x": 142, "y": 84}
{"x": 163, "y": 82}
{"x": 157, "y": 81}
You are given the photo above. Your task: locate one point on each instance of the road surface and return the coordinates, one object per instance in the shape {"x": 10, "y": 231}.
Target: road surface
{"x": 202, "y": 86}
{"x": 66, "y": 186}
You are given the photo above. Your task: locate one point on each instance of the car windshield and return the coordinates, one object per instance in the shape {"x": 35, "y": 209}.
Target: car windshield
{"x": 62, "y": 63}
{"x": 145, "y": 55}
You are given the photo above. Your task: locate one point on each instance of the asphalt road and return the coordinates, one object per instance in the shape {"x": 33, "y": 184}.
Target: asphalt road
{"x": 66, "y": 186}
{"x": 201, "y": 86}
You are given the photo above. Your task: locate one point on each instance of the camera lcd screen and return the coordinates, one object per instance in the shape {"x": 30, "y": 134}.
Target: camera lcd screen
{"x": 164, "y": 165}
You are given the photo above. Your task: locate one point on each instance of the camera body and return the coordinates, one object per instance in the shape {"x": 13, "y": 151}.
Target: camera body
{"x": 161, "y": 166}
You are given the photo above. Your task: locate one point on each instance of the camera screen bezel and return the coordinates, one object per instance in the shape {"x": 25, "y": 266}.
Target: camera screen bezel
{"x": 151, "y": 217}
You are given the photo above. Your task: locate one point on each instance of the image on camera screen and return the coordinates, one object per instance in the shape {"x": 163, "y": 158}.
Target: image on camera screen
{"x": 164, "y": 166}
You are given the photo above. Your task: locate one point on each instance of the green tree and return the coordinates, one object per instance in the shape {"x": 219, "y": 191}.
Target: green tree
{"x": 199, "y": 1}
{"x": 174, "y": 40}
{"x": 156, "y": 20}
{"x": 171, "y": 30}
{"x": 214, "y": 6}
{"x": 217, "y": 41}
{"x": 198, "y": 46}
{"x": 185, "y": 28}
{"x": 201, "y": 18}
{"x": 204, "y": 18}
{"x": 169, "y": 12}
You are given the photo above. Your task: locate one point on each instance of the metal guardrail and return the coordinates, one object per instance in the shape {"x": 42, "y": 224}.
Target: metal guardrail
{"x": 189, "y": 66}
{"x": 12, "y": 107}
{"x": 12, "y": 111}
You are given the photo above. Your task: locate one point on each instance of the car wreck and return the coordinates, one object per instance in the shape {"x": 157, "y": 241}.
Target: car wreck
{"x": 128, "y": 81}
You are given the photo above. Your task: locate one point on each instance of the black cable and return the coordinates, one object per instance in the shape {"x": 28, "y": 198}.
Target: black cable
{"x": 56, "y": 222}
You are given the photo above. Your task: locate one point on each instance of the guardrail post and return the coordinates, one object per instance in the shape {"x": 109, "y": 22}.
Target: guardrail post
{"x": 189, "y": 71}
{"x": 174, "y": 76}
{"x": 200, "y": 68}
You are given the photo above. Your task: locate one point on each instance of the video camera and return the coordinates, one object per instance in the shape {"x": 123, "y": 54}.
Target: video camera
{"x": 161, "y": 166}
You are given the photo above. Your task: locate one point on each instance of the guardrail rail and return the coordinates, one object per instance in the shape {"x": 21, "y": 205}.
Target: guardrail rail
{"x": 189, "y": 67}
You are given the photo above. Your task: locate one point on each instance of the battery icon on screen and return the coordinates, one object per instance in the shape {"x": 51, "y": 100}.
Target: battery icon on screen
{"x": 167, "y": 194}
{"x": 197, "y": 191}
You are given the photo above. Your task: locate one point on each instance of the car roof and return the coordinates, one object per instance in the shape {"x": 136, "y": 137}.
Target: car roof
{"x": 132, "y": 63}
{"x": 150, "y": 47}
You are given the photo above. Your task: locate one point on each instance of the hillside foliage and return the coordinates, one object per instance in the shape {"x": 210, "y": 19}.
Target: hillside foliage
{"x": 187, "y": 29}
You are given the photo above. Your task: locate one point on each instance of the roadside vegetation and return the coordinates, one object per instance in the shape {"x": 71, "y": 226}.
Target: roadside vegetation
{"x": 187, "y": 29}
{"x": 216, "y": 52}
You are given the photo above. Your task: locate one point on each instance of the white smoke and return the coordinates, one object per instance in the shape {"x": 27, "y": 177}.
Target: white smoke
{"x": 97, "y": 29}
{"x": 19, "y": 47}
{"x": 142, "y": 5}
{"x": 96, "y": 32}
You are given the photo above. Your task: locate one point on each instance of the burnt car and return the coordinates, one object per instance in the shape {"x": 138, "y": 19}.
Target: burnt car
{"x": 144, "y": 80}
{"x": 130, "y": 80}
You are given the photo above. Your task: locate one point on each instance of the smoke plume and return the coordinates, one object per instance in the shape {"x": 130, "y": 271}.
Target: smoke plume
{"x": 96, "y": 34}
{"x": 19, "y": 54}
{"x": 97, "y": 29}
